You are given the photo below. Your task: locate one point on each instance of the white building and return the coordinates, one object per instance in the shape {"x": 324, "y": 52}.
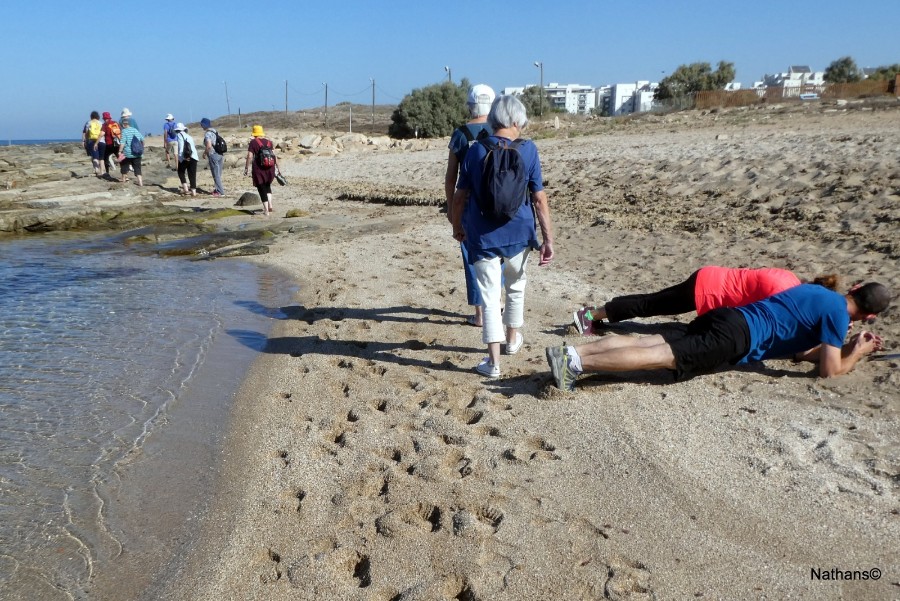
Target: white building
{"x": 627, "y": 98}
{"x": 796, "y": 78}
{"x": 573, "y": 98}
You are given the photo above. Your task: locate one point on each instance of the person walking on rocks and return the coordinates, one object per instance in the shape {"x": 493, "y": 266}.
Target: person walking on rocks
{"x": 479, "y": 104}
{"x": 90, "y": 139}
{"x": 215, "y": 159}
{"x": 261, "y": 152}
{"x": 498, "y": 245}
{"x": 126, "y": 114}
{"x": 128, "y": 160}
{"x": 112, "y": 134}
{"x": 169, "y": 141}
{"x": 186, "y": 159}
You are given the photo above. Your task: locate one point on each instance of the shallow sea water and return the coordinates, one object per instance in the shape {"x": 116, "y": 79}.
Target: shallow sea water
{"x": 117, "y": 372}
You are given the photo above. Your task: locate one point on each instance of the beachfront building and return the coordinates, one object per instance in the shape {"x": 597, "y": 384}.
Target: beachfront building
{"x": 797, "y": 80}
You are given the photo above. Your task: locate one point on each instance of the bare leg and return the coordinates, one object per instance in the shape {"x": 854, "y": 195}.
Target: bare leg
{"x": 628, "y": 358}
{"x": 494, "y": 352}
{"x": 608, "y": 343}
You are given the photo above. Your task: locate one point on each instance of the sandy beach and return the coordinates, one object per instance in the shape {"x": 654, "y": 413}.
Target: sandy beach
{"x": 366, "y": 460}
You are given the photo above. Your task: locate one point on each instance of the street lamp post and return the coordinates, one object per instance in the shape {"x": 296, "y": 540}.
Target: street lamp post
{"x": 449, "y": 74}
{"x": 540, "y": 65}
{"x": 326, "y": 103}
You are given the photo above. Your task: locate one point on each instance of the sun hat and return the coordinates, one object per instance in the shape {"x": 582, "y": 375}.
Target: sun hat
{"x": 126, "y": 112}
{"x": 258, "y": 131}
{"x": 481, "y": 94}
{"x": 106, "y": 115}
{"x": 169, "y": 117}
{"x": 205, "y": 123}
{"x": 180, "y": 127}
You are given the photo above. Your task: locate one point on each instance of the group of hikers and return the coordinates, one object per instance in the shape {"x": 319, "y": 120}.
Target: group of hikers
{"x": 108, "y": 142}
{"x": 496, "y": 203}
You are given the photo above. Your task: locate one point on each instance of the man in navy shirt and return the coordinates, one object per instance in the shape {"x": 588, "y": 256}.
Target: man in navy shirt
{"x": 806, "y": 322}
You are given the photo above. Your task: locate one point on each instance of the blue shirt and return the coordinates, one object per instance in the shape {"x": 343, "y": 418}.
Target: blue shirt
{"x": 487, "y": 238}
{"x": 169, "y": 130}
{"x": 459, "y": 143}
{"x": 795, "y": 320}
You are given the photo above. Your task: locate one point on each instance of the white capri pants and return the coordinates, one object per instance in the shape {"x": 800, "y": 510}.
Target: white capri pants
{"x": 488, "y": 278}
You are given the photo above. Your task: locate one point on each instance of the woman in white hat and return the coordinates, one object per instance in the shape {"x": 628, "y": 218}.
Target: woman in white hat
{"x": 187, "y": 159}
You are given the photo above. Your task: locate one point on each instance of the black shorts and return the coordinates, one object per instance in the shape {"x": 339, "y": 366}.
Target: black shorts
{"x": 713, "y": 339}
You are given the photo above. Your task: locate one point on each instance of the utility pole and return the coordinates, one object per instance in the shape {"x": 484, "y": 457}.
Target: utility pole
{"x": 285, "y": 98}
{"x": 227, "y": 102}
{"x": 373, "y": 103}
{"x": 326, "y": 104}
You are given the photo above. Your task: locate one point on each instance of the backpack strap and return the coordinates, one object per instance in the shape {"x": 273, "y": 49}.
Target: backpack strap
{"x": 467, "y": 133}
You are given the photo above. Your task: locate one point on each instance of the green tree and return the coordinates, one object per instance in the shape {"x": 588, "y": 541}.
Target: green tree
{"x": 432, "y": 111}
{"x": 843, "y": 70}
{"x": 695, "y": 77}
{"x": 531, "y": 99}
{"x": 888, "y": 72}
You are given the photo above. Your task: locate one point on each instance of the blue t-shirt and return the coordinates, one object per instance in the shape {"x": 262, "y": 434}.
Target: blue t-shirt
{"x": 169, "y": 130}
{"x": 459, "y": 144}
{"x": 795, "y": 320}
{"x": 486, "y": 238}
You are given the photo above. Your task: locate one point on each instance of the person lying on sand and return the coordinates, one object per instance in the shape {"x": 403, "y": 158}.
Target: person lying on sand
{"x": 808, "y": 322}
{"x": 708, "y": 288}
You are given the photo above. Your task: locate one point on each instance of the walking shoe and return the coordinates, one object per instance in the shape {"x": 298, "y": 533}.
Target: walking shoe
{"x": 584, "y": 321}
{"x": 216, "y": 195}
{"x": 488, "y": 369}
{"x": 513, "y": 347}
{"x": 561, "y": 367}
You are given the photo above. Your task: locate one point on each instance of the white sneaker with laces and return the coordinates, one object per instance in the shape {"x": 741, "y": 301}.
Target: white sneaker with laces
{"x": 513, "y": 347}
{"x": 488, "y": 369}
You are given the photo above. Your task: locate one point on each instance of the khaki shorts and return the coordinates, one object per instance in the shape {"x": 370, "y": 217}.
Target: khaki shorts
{"x": 172, "y": 148}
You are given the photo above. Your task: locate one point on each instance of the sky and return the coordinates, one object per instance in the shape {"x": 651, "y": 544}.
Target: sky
{"x": 61, "y": 59}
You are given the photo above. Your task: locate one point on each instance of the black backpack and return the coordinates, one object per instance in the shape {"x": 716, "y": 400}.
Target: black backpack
{"x": 219, "y": 145}
{"x": 265, "y": 156}
{"x": 504, "y": 181}
{"x": 187, "y": 151}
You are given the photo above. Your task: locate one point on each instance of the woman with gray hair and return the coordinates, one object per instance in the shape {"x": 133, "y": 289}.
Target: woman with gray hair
{"x": 498, "y": 248}
{"x": 479, "y": 104}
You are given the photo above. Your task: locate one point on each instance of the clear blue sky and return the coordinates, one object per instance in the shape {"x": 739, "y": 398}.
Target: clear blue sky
{"x": 62, "y": 58}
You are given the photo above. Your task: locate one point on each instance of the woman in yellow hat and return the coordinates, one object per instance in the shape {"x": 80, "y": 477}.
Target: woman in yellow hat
{"x": 261, "y": 152}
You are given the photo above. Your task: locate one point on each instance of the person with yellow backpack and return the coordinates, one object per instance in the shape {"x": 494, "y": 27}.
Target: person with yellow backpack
{"x": 90, "y": 139}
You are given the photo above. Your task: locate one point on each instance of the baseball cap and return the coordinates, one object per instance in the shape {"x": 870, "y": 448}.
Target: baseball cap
{"x": 481, "y": 94}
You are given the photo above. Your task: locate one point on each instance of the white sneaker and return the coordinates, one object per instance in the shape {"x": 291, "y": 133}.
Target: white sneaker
{"x": 513, "y": 347}
{"x": 488, "y": 369}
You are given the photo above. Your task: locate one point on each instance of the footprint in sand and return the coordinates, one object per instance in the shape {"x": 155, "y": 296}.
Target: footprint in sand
{"x": 422, "y": 517}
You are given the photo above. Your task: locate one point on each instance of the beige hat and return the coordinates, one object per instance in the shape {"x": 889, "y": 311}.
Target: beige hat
{"x": 126, "y": 112}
